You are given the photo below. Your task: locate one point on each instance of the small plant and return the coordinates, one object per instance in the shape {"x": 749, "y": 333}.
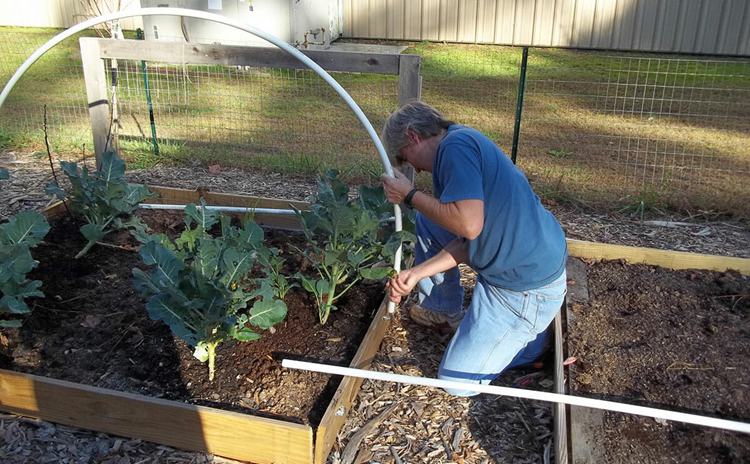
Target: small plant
{"x": 347, "y": 242}
{"x": 102, "y": 198}
{"x": 195, "y": 284}
{"x": 275, "y": 279}
{"x": 645, "y": 201}
{"x": 17, "y": 236}
{"x": 559, "y": 153}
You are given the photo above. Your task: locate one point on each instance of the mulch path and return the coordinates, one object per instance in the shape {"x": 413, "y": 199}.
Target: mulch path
{"x": 418, "y": 424}
{"x": 701, "y": 232}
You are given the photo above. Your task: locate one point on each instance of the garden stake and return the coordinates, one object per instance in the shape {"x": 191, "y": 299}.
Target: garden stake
{"x": 49, "y": 157}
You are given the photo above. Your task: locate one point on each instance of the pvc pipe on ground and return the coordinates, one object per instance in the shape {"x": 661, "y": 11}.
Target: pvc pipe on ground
{"x": 183, "y": 12}
{"x": 226, "y": 209}
{"x": 526, "y": 394}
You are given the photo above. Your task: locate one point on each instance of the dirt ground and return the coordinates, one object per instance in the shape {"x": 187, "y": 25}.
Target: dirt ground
{"x": 424, "y": 425}
{"x": 676, "y": 340}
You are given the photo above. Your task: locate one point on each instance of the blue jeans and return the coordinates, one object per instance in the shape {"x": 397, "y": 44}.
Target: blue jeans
{"x": 502, "y": 329}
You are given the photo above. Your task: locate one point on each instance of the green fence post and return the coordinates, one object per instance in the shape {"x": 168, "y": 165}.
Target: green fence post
{"x": 139, "y": 35}
{"x": 519, "y": 105}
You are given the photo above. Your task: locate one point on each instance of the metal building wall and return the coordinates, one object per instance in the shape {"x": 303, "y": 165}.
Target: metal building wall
{"x": 57, "y": 13}
{"x": 720, "y": 27}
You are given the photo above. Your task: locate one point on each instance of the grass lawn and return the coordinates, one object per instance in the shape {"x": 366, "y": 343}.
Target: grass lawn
{"x": 599, "y": 128}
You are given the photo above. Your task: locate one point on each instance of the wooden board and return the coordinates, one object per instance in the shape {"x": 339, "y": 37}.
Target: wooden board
{"x": 233, "y": 55}
{"x": 197, "y": 428}
{"x": 586, "y": 424}
{"x": 663, "y": 258}
{"x": 338, "y": 410}
{"x": 560, "y": 410}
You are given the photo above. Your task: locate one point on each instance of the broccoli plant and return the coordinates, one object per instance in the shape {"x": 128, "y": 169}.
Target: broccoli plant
{"x": 275, "y": 284}
{"x": 17, "y": 236}
{"x": 102, "y": 198}
{"x": 348, "y": 240}
{"x": 195, "y": 284}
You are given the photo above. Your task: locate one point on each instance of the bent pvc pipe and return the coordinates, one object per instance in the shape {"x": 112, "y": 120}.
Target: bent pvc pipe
{"x": 526, "y": 394}
{"x": 182, "y": 12}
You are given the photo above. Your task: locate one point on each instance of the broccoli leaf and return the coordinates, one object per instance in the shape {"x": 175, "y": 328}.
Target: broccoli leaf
{"x": 22, "y": 232}
{"x": 103, "y": 199}
{"x": 346, "y": 241}
{"x": 194, "y": 284}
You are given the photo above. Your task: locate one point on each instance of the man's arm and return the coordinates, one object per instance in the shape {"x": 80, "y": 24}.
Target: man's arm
{"x": 451, "y": 256}
{"x": 464, "y": 218}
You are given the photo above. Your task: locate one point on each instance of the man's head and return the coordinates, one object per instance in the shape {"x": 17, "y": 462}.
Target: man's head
{"x": 409, "y": 125}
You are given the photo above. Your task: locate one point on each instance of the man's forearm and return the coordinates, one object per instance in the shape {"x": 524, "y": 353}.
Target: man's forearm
{"x": 465, "y": 220}
{"x": 451, "y": 256}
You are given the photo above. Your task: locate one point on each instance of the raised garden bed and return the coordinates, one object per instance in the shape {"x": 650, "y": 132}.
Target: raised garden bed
{"x": 672, "y": 339}
{"x": 92, "y": 329}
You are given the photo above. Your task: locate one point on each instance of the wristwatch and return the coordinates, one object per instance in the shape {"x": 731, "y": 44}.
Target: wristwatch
{"x": 409, "y": 196}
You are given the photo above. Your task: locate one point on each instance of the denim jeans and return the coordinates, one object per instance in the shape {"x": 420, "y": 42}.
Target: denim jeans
{"x": 501, "y": 329}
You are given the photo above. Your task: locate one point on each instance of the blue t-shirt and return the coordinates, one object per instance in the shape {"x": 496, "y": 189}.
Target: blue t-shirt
{"x": 522, "y": 246}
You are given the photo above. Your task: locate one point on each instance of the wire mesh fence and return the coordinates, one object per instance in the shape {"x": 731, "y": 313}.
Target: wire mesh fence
{"x": 281, "y": 119}
{"x": 55, "y": 80}
{"x": 625, "y": 130}
{"x": 640, "y": 130}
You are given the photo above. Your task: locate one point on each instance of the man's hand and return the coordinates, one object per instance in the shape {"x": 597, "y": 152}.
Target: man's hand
{"x": 396, "y": 187}
{"x": 402, "y": 284}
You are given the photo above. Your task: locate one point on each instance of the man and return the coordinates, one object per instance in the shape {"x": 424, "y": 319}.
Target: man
{"x": 485, "y": 214}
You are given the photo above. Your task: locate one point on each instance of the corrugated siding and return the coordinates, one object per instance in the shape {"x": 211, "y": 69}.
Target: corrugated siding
{"x": 719, "y": 27}
{"x": 56, "y": 13}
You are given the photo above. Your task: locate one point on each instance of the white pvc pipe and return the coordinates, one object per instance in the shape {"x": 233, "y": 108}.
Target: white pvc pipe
{"x": 227, "y": 209}
{"x": 526, "y": 394}
{"x": 182, "y": 12}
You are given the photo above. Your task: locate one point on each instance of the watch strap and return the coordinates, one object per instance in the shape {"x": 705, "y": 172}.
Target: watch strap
{"x": 409, "y": 196}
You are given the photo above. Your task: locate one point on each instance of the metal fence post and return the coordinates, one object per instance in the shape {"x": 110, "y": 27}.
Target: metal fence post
{"x": 519, "y": 105}
{"x": 154, "y": 143}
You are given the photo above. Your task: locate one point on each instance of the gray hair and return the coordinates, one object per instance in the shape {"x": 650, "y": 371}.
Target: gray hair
{"x": 420, "y": 117}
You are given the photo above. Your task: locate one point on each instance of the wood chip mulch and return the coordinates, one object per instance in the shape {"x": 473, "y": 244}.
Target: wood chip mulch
{"x": 24, "y": 440}
{"x": 387, "y": 423}
{"x": 703, "y": 232}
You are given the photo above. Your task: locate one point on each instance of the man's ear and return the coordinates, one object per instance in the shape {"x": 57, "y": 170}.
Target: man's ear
{"x": 412, "y": 135}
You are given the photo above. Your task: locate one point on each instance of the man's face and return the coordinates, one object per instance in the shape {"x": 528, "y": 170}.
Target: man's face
{"x": 414, "y": 153}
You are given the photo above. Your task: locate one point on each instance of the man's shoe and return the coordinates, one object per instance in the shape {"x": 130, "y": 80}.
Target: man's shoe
{"x": 440, "y": 321}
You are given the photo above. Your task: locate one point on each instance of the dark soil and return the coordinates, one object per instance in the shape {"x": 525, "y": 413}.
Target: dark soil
{"x": 677, "y": 340}
{"x": 92, "y": 328}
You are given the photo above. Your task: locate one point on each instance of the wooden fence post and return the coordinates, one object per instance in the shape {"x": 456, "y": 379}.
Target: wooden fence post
{"x": 409, "y": 78}
{"x": 96, "y": 93}
{"x": 409, "y": 89}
